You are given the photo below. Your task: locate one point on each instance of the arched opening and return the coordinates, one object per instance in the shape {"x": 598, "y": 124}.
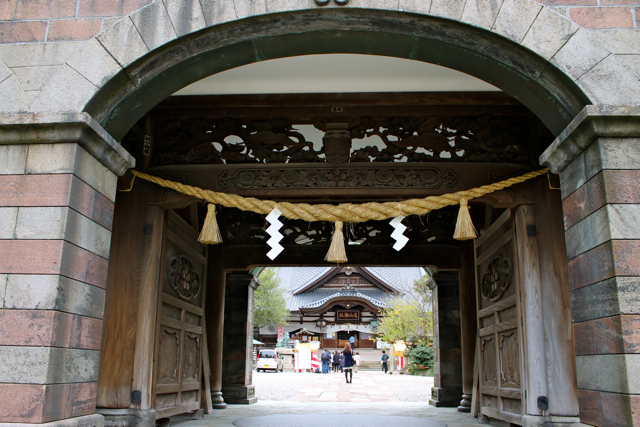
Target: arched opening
{"x": 546, "y": 91}
{"x": 250, "y": 145}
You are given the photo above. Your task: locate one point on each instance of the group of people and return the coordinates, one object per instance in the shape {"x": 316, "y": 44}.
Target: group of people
{"x": 347, "y": 362}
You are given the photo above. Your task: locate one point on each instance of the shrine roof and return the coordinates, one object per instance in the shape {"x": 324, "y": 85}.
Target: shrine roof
{"x": 396, "y": 279}
{"x": 318, "y": 297}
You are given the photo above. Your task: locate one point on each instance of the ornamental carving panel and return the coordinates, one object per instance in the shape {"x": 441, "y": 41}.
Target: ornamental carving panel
{"x": 489, "y": 368}
{"x": 509, "y": 360}
{"x": 337, "y": 178}
{"x": 471, "y": 138}
{"x": 497, "y": 278}
{"x": 184, "y": 280}
{"x": 168, "y": 355}
{"x": 191, "y": 357}
{"x": 249, "y": 229}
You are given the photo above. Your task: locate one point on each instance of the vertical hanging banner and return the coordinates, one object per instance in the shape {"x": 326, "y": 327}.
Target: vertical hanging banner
{"x": 280, "y": 332}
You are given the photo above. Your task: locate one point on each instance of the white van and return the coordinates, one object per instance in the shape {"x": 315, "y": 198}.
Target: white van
{"x": 269, "y": 359}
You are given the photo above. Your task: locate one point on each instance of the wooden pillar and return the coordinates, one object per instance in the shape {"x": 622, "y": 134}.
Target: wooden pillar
{"x": 237, "y": 369}
{"x": 128, "y": 340}
{"x": 147, "y": 305}
{"x": 548, "y": 347}
{"x": 468, "y": 321}
{"x": 532, "y": 315}
{"x": 214, "y": 319}
{"x": 556, "y": 297}
{"x": 446, "y": 341}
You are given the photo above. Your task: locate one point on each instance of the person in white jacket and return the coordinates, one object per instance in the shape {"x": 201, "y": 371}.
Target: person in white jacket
{"x": 356, "y": 361}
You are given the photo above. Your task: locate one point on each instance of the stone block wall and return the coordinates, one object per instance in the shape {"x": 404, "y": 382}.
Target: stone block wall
{"x": 598, "y": 13}
{"x": 26, "y": 21}
{"x": 56, "y": 208}
{"x": 601, "y": 204}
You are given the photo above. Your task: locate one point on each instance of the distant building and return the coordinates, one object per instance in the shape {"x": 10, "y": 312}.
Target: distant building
{"x": 331, "y": 304}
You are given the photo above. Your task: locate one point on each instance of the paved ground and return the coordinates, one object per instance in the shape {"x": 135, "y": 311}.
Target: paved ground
{"x": 332, "y": 387}
{"x": 327, "y": 397}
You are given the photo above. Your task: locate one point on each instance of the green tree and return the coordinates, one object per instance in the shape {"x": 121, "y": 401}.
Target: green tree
{"x": 409, "y": 318}
{"x": 270, "y": 300}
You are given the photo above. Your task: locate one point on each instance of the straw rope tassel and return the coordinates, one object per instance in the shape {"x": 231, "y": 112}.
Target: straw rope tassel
{"x": 210, "y": 234}
{"x": 337, "y": 252}
{"x": 464, "y": 226}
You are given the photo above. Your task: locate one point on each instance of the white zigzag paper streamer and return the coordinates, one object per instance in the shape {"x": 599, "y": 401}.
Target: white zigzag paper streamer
{"x": 275, "y": 234}
{"x": 400, "y": 238}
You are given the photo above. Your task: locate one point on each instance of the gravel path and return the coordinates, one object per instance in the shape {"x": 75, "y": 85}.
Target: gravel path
{"x": 282, "y": 385}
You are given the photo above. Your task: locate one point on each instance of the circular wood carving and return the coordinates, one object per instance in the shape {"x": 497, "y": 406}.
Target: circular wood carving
{"x": 183, "y": 279}
{"x": 497, "y": 278}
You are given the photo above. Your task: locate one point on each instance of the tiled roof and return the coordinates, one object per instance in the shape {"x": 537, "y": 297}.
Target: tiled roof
{"x": 295, "y": 278}
{"x": 399, "y": 278}
{"x": 319, "y": 297}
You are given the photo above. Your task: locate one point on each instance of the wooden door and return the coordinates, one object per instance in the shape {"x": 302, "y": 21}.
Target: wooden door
{"x": 179, "y": 341}
{"x": 499, "y": 323}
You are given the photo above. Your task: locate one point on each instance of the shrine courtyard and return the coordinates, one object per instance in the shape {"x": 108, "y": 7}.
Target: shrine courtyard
{"x": 287, "y": 398}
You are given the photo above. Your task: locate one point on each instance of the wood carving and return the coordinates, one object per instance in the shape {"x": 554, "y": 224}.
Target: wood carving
{"x": 473, "y": 138}
{"x": 337, "y": 178}
{"x": 489, "y": 368}
{"x": 249, "y": 229}
{"x": 497, "y": 278}
{"x": 509, "y": 360}
{"x": 190, "y": 358}
{"x": 183, "y": 279}
{"x": 168, "y": 356}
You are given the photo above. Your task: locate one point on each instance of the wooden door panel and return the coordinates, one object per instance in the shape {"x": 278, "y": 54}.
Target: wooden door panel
{"x": 499, "y": 322}
{"x": 177, "y": 385}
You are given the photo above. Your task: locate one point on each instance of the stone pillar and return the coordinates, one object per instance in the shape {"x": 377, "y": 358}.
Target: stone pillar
{"x": 446, "y": 341}
{"x": 237, "y": 369}
{"x": 468, "y": 322}
{"x": 57, "y": 193}
{"x": 214, "y": 308}
{"x": 598, "y": 158}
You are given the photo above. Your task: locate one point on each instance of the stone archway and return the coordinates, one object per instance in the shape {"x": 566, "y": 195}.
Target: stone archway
{"x": 555, "y": 68}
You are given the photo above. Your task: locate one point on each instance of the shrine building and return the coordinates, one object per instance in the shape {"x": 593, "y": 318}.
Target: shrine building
{"x": 156, "y": 155}
{"x": 331, "y": 304}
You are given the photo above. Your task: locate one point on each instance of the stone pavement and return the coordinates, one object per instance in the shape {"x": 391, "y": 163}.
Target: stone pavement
{"x": 226, "y": 417}
{"x": 327, "y": 397}
{"x": 332, "y": 387}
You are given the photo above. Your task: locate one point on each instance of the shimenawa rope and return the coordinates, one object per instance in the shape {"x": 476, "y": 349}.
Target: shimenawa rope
{"x": 344, "y": 212}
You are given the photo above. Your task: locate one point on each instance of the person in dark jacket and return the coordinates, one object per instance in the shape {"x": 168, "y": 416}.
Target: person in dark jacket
{"x": 347, "y": 359}
{"x": 336, "y": 361}
{"x": 385, "y": 359}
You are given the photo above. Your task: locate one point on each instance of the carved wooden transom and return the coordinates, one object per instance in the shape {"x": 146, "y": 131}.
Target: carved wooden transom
{"x": 474, "y": 138}
{"x": 249, "y": 229}
{"x": 183, "y": 279}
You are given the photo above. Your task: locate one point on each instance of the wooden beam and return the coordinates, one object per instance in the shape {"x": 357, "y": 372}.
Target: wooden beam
{"x": 332, "y": 99}
{"x": 351, "y": 181}
{"x": 304, "y": 108}
{"x": 442, "y": 257}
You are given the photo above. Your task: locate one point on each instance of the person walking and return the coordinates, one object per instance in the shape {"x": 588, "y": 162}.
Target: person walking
{"x": 385, "y": 359}
{"x": 356, "y": 360}
{"x": 347, "y": 359}
{"x": 336, "y": 361}
{"x": 325, "y": 361}
{"x": 352, "y": 341}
